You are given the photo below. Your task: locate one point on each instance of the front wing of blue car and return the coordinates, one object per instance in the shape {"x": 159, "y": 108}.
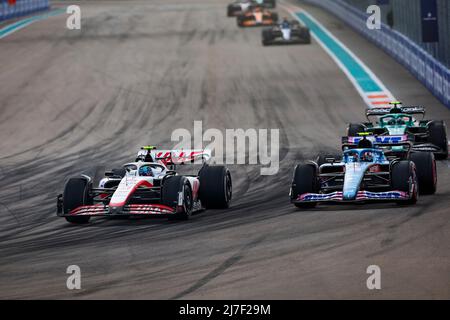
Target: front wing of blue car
{"x": 338, "y": 196}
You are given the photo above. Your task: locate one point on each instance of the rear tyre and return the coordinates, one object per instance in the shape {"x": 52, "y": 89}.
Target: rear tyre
{"x": 426, "y": 171}
{"x": 275, "y": 18}
{"x": 240, "y": 21}
{"x": 230, "y": 11}
{"x": 76, "y": 194}
{"x": 305, "y": 181}
{"x": 215, "y": 187}
{"x": 270, "y": 3}
{"x": 306, "y": 35}
{"x": 266, "y": 37}
{"x": 170, "y": 190}
{"x": 355, "y": 128}
{"x": 438, "y": 137}
{"x": 403, "y": 175}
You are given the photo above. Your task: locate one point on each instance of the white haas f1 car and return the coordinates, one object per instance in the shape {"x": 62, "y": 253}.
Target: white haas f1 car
{"x": 238, "y": 7}
{"x": 147, "y": 187}
{"x": 286, "y": 33}
{"x": 361, "y": 174}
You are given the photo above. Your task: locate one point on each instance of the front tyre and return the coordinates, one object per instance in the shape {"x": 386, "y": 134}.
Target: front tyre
{"x": 305, "y": 181}
{"x": 76, "y": 194}
{"x": 404, "y": 178}
{"x": 426, "y": 171}
{"x": 438, "y": 136}
{"x": 215, "y": 187}
{"x": 170, "y": 195}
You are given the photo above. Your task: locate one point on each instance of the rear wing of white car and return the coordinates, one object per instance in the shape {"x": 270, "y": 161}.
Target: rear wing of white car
{"x": 182, "y": 156}
{"x": 173, "y": 157}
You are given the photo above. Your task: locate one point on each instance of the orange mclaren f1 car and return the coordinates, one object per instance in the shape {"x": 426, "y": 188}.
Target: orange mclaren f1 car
{"x": 257, "y": 16}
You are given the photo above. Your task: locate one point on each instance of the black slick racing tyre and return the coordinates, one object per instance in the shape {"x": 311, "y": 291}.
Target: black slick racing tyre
{"x": 438, "y": 136}
{"x": 306, "y": 35}
{"x": 169, "y": 197}
{"x": 230, "y": 11}
{"x": 403, "y": 176}
{"x": 426, "y": 171}
{"x": 270, "y": 3}
{"x": 355, "y": 128}
{"x": 240, "y": 21}
{"x": 215, "y": 190}
{"x": 305, "y": 181}
{"x": 275, "y": 18}
{"x": 266, "y": 36}
{"x": 76, "y": 194}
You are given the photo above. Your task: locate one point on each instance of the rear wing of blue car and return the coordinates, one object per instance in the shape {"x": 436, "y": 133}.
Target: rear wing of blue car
{"x": 384, "y": 111}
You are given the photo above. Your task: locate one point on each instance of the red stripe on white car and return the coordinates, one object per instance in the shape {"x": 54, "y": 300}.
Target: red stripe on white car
{"x": 141, "y": 183}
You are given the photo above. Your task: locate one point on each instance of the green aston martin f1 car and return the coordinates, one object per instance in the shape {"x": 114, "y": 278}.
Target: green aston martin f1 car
{"x": 429, "y": 135}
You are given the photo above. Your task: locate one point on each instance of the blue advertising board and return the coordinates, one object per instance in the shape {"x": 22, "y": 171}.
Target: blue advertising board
{"x": 426, "y": 68}
{"x": 430, "y": 27}
{"x": 12, "y": 9}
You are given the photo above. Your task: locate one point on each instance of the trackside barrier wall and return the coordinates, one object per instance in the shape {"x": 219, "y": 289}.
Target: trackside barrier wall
{"x": 12, "y": 9}
{"x": 428, "y": 70}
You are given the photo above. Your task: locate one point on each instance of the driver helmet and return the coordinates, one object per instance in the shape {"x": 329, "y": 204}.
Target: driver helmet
{"x": 367, "y": 156}
{"x": 146, "y": 171}
{"x": 400, "y": 121}
{"x": 395, "y": 110}
{"x": 364, "y": 143}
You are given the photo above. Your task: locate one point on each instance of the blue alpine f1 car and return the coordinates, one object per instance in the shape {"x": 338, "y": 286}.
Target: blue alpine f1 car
{"x": 361, "y": 174}
{"x": 401, "y": 147}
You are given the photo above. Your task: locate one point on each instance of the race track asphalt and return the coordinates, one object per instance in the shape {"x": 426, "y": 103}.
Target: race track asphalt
{"x": 85, "y": 101}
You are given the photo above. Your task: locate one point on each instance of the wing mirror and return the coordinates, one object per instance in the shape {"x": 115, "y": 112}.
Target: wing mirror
{"x": 109, "y": 174}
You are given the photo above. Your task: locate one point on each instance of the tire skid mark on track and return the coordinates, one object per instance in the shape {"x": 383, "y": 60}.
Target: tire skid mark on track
{"x": 145, "y": 76}
{"x": 221, "y": 268}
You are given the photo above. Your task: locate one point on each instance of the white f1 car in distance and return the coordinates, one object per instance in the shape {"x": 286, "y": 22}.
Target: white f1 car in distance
{"x": 287, "y": 32}
{"x": 147, "y": 187}
{"x": 238, "y": 7}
